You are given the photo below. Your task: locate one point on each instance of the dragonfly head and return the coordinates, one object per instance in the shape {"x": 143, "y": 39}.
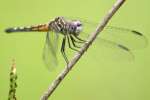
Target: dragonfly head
{"x": 76, "y": 27}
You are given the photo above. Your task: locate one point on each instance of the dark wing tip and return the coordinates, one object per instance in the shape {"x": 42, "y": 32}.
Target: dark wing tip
{"x": 136, "y": 32}
{"x": 9, "y": 30}
{"x": 123, "y": 47}
{"x": 145, "y": 40}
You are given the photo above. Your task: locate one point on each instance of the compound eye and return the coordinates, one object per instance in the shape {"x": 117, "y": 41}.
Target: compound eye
{"x": 79, "y": 24}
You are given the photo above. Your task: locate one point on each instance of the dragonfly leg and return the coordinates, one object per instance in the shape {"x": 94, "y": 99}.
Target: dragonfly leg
{"x": 73, "y": 42}
{"x": 70, "y": 44}
{"x": 79, "y": 39}
{"x": 71, "y": 36}
{"x": 63, "y": 50}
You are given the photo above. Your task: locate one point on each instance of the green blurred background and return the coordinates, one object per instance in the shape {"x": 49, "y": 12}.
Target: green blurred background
{"x": 93, "y": 78}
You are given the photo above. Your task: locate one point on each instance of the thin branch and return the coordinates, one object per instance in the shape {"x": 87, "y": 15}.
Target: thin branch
{"x": 78, "y": 55}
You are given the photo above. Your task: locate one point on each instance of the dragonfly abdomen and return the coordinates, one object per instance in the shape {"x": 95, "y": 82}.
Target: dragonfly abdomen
{"x": 36, "y": 28}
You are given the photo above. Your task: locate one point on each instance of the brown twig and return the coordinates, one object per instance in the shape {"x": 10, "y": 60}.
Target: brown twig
{"x": 78, "y": 55}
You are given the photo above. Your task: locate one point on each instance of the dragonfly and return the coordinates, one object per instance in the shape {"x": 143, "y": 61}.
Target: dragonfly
{"x": 72, "y": 30}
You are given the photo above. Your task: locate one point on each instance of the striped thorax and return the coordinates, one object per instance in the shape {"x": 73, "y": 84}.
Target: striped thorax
{"x": 61, "y": 25}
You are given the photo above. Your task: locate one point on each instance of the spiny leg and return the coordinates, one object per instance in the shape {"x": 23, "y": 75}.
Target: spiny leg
{"x": 69, "y": 44}
{"x": 63, "y": 50}
{"x": 73, "y": 42}
{"x": 77, "y": 41}
{"x": 79, "y": 38}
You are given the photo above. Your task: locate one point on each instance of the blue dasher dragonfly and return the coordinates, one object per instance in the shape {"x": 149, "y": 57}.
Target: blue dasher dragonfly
{"x": 71, "y": 29}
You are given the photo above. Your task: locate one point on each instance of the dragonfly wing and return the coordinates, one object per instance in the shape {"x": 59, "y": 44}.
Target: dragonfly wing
{"x": 127, "y": 37}
{"x": 50, "y": 50}
{"x": 120, "y": 41}
{"x": 112, "y": 50}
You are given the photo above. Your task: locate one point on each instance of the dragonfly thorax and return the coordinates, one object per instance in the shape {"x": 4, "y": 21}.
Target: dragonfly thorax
{"x": 64, "y": 26}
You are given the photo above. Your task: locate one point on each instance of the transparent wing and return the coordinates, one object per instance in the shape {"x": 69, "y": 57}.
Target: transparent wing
{"x": 128, "y": 37}
{"x": 50, "y": 50}
{"x": 113, "y": 51}
{"x": 120, "y": 41}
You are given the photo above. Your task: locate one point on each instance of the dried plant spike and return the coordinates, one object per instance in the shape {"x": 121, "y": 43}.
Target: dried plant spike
{"x": 13, "y": 82}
